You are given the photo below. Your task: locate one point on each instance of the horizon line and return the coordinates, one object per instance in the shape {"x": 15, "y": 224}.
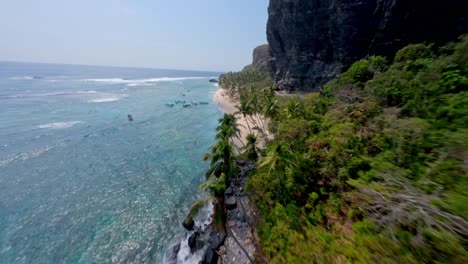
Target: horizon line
{"x": 109, "y": 66}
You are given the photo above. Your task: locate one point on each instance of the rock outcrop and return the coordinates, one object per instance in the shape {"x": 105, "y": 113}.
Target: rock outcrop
{"x": 311, "y": 41}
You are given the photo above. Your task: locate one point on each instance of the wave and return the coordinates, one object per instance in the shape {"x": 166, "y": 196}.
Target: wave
{"x": 60, "y": 125}
{"x": 143, "y": 82}
{"x": 47, "y": 94}
{"x": 25, "y": 77}
{"x": 108, "y": 99}
{"x": 24, "y": 156}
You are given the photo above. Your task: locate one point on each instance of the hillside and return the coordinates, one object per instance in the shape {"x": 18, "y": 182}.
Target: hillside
{"x": 373, "y": 168}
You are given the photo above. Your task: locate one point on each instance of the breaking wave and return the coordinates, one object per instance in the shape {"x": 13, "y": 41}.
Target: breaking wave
{"x": 24, "y": 156}
{"x": 47, "y": 94}
{"x": 143, "y": 82}
{"x": 60, "y": 125}
{"x": 108, "y": 99}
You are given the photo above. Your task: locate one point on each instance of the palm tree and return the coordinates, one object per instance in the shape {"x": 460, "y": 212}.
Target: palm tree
{"x": 251, "y": 147}
{"x": 228, "y": 128}
{"x": 278, "y": 159}
{"x": 245, "y": 109}
{"x": 271, "y": 108}
{"x": 221, "y": 159}
{"x": 293, "y": 109}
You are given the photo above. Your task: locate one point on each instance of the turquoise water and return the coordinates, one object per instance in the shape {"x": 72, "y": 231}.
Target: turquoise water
{"x": 79, "y": 183}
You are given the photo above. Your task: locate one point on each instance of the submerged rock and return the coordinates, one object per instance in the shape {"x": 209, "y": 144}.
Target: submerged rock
{"x": 171, "y": 254}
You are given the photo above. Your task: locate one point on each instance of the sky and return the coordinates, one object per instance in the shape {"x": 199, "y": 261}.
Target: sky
{"x": 217, "y": 35}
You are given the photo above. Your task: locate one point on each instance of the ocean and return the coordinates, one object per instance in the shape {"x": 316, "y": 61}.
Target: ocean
{"x": 79, "y": 182}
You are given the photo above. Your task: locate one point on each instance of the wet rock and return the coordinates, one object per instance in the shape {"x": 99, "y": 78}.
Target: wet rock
{"x": 192, "y": 241}
{"x": 210, "y": 256}
{"x": 230, "y": 203}
{"x": 188, "y": 223}
{"x": 171, "y": 254}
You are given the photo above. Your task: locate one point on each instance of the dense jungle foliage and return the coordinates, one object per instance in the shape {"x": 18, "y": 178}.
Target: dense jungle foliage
{"x": 373, "y": 169}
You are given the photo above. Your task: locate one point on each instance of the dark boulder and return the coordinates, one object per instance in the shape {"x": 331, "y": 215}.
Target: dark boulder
{"x": 192, "y": 241}
{"x": 311, "y": 42}
{"x": 188, "y": 223}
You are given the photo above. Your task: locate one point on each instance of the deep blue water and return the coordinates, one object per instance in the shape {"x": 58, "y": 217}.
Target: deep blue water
{"x": 79, "y": 183}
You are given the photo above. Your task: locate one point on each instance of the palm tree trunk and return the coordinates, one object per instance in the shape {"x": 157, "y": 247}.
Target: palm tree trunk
{"x": 247, "y": 122}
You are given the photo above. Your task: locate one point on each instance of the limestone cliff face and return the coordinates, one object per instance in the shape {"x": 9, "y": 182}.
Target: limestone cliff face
{"x": 311, "y": 41}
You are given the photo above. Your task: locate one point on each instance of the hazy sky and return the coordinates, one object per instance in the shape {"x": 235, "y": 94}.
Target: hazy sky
{"x": 177, "y": 34}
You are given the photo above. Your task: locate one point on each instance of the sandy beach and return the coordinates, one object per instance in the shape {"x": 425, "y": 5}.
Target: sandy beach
{"x": 228, "y": 106}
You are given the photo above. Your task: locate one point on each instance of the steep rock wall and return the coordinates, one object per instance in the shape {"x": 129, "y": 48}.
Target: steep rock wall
{"x": 311, "y": 41}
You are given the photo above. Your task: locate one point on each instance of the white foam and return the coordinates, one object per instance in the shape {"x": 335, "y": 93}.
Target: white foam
{"x": 108, "y": 99}
{"x": 22, "y": 78}
{"x": 47, "y": 94}
{"x": 143, "y": 82}
{"x": 24, "y": 156}
{"x": 60, "y": 125}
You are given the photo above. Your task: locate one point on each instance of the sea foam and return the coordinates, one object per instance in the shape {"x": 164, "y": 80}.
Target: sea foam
{"x": 142, "y": 82}
{"x": 108, "y": 99}
{"x": 60, "y": 125}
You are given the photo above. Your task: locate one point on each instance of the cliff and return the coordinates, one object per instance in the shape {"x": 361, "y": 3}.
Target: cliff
{"x": 259, "y": 58}
{"x": 312, "y": 41}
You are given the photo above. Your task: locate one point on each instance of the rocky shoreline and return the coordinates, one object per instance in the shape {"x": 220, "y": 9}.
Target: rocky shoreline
{"x": 242, "y": 244}
{"x": 235, "y": 242}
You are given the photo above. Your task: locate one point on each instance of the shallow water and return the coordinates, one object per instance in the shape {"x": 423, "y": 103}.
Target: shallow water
{"x": 79, "y": 183}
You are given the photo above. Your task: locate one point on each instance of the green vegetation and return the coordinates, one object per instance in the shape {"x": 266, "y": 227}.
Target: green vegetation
{"x": 371, "y": 170}
{"x": 239, "y": 83}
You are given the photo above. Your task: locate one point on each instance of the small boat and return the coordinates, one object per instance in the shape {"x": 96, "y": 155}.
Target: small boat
{"x": 130, "y": 117}
{"x": 180, "y": 102}
{"x": 186, "y": 105}
{"x": 170, "y": 105}
{"x": 194, "y": 103}
{"x": 182, "y": 94}
{"x": 203, "y": 103}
